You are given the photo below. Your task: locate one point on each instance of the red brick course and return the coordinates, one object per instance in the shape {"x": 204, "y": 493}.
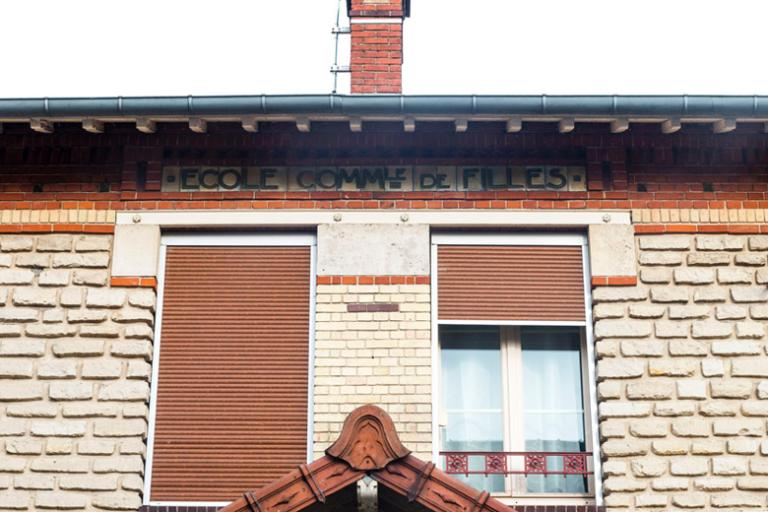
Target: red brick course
{"x": 133, "y": 282}
{"x": 614, "y": 281}
{"x": 372, "y": 280}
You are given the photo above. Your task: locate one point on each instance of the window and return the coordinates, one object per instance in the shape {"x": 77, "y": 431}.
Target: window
{"x": 230, "y": 401}
{"x": 514, "y": 413}
{"x": 514, "y": 390}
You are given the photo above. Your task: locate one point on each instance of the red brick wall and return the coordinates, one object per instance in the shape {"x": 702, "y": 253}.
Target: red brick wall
{"x": 376, "y": 62}
{"x": 642, "y": 168}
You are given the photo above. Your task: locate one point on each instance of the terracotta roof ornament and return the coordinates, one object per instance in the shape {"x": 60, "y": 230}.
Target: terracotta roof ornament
{"x": 368, "y": 440}
{"x": 367, "y": 446}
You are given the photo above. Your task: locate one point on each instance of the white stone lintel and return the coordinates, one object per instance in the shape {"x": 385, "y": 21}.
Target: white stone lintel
{"x": 373, "y": 249}
{"x": 438, "y": 218}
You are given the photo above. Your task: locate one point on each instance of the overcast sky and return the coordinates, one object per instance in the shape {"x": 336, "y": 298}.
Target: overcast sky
{"x": 170, "y": 47}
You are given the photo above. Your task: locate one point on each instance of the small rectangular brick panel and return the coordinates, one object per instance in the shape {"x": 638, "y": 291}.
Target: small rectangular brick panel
{"x": 373, "y": 307}
{"x": 74, "y": 376}
{"x": 683, "y": 376}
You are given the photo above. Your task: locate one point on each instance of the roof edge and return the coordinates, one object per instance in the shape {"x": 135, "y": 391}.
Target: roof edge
{"x": 411, "y": 478}
{"x": 159, "y": 107}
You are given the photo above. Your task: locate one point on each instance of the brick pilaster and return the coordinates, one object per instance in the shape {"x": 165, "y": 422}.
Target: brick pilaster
{"x": 372, "y": 345}
{"x": 377, "y": 46}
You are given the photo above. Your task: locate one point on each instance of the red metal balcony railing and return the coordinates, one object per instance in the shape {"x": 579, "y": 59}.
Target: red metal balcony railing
{"x": 518, "y": 463}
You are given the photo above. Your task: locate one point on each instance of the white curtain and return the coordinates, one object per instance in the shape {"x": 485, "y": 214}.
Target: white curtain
{"x": 552, "y": 401}
{"x": 553, "y": 404}
{"x": 472, "y": 396}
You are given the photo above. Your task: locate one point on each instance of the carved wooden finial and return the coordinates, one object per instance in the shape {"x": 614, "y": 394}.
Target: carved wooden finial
{"x": 368, "y": 440}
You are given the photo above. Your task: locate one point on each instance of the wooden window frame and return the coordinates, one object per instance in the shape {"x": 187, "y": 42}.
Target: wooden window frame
{"x": 510, "y": 329}
{"x": 224, "y": 240}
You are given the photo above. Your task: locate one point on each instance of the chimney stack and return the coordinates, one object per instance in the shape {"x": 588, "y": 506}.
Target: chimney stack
{"x": 376, "y": 64}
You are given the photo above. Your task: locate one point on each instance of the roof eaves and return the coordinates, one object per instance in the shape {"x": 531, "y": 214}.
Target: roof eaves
{"x": 389, "y": 107}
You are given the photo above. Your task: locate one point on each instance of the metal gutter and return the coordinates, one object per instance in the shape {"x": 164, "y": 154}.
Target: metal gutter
{"x": 739, "y": 107}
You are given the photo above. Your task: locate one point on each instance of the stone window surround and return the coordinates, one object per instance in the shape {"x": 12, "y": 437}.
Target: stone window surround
{"x": 510, "y": 360}
{"x": 588, "y": 358}
{"x": 137, "y": 235}
{"x": 223, "y": 239}
{"x": 137, "y": 246}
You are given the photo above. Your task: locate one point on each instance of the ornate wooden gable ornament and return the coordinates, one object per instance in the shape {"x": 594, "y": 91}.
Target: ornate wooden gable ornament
{"x": 367, "y": 445}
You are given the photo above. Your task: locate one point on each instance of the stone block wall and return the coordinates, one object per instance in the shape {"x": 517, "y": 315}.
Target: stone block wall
{"x": 373, "y": 346}
{"x": 74, "y": 376}
{"x": 683, "y": 376}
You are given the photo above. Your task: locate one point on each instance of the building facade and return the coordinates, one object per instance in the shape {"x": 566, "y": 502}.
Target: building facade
{"x": 558, "y": 300}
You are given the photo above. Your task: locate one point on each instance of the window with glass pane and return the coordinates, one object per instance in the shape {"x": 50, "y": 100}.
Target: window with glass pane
{"x": 473, "y": 398}
{"x": 514, "y": 389}
{"x": 553, "y": 403}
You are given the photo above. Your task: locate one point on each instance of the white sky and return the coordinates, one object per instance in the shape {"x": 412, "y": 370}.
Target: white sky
{"x": 170, "y": 47}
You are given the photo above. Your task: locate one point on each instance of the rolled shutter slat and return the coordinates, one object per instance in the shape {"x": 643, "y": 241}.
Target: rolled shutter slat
{"x": 505, "y": 282}
{"x": 232, "y": 386}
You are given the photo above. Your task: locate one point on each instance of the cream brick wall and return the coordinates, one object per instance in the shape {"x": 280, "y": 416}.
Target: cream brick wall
{"x": 683, "y": 376}
{"x": 74, "y": 376}
{"x": 374, "y": 357}
{"x": 699, "y": 215}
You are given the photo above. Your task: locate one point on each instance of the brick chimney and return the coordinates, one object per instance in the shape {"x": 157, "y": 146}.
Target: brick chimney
{"x": 376, "y": 63}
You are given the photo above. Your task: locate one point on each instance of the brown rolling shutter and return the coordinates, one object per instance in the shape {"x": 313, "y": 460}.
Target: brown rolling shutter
{"x": 233, "y": 376}
{"x": 504, "y": 282}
